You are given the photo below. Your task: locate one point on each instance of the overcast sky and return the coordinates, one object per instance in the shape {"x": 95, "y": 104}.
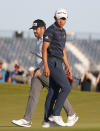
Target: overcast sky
{"x": 84, "y": 15}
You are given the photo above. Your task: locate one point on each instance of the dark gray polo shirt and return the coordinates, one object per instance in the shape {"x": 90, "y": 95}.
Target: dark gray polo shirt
{"x": 57, "y": 39}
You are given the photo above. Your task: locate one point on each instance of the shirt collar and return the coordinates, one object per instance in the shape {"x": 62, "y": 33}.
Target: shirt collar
{"x": 39, "y": 39}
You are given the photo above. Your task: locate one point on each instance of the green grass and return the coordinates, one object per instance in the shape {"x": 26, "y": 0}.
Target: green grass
{"x": 13, "y": 100}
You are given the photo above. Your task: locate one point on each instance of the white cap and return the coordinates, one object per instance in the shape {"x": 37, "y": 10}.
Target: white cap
{"x": 61, "y": 13}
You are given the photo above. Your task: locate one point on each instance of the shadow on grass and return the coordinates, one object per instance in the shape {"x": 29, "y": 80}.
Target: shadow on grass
{"x": 7, "y": 126}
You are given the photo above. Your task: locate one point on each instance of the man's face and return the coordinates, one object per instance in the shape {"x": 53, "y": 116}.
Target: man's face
{"x": 39, "y": 32}
{"x": 61, "y": 22}
{"x": 16, "y": 67}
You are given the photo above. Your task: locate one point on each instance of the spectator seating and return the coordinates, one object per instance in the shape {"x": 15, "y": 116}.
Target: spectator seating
{"x": 12, "y": 49}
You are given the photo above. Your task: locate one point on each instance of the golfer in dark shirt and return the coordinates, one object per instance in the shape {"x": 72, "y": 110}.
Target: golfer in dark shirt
{"x": 54, "y": 54}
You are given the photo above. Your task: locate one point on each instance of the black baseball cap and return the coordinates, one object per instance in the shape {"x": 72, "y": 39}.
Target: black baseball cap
{"x": 38, "y": 23}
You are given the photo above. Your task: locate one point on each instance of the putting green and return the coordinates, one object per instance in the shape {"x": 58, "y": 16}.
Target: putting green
{"x": 13, "y": 100}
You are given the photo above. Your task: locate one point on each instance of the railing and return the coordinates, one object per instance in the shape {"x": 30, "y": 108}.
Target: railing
{"x": 70, "y": 36}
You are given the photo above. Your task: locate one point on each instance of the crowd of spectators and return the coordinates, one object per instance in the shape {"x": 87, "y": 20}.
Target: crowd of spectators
{"x": 90, "y": 78}
{"x": 16, "y": 74}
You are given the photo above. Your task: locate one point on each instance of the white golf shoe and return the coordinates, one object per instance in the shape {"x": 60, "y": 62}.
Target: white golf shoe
{"x": 45, "y": 124}
{"x": 71, "y": 120}
{"x": 22, "y": 123}
{"x": 49, "y": 124}
{"x": 57, "y": 119}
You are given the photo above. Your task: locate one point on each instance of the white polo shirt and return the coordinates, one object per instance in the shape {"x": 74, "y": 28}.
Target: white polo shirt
{"x": 38, "y": 50}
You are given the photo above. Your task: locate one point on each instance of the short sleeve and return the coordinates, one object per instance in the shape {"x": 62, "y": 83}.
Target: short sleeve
{"x": 48, "y": 35}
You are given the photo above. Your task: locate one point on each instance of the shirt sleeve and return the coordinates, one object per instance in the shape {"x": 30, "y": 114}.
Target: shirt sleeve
{"x": 41, "y": 64}
{"x": 48, "y": 35}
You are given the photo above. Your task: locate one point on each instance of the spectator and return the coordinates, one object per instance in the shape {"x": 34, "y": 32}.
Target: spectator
{"x": 31, "y": 72}
{"x": 2, "y": 72}
{"x": 86, "y": 80}
{"x": 89, "y": 77}
{"x": 19, "y": 71}
{"x": 26, "y": 79}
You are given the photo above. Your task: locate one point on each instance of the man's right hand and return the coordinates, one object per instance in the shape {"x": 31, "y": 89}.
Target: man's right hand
{"x": 46, "y": 71}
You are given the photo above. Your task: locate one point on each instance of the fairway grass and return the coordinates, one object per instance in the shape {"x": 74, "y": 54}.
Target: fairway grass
{"x": 13, "y": 101}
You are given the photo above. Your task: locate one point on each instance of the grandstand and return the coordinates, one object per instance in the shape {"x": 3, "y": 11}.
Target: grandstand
{"x": 12, "y": 49}
{"x": 81, "y": 52}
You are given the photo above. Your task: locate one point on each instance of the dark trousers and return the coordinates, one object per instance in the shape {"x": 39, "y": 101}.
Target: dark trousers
{"x": 59, "y": 89}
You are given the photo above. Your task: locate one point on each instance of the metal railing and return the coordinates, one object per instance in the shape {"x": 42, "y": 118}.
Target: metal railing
{"x": 71, "y": 36}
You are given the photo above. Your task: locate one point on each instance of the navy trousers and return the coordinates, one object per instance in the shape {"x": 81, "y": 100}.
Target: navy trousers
{"x": 59, "y": 89}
